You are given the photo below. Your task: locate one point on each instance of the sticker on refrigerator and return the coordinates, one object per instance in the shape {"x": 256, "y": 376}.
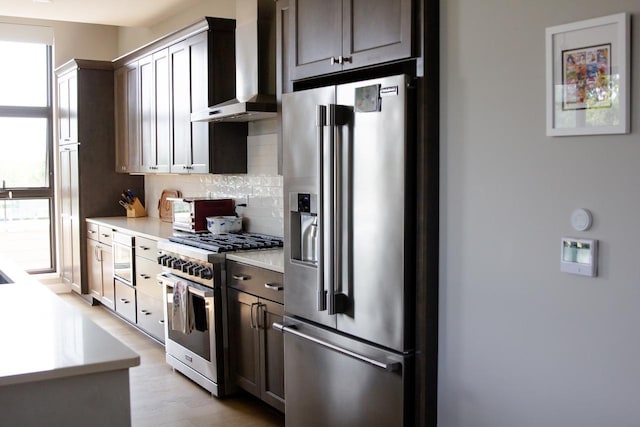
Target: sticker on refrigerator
{"x": 367, "y": 99}
{"x": 389, "y": 91}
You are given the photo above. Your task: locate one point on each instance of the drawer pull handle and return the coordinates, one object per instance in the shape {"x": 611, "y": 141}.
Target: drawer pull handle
{"x": 161, "y": 321}
{"x": 144, "y": 276}
{"x": 124, "y": 300}
{"x": 240, "y": 277}
{"x": 144, "y": 248}
{"x": 273, "y": 287}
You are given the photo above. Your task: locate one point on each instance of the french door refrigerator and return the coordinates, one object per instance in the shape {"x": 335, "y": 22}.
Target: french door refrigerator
{"x": 349, "y": 175}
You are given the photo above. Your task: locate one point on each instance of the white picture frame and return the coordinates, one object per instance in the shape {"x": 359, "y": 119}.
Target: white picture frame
{"x": 587, "y": 76}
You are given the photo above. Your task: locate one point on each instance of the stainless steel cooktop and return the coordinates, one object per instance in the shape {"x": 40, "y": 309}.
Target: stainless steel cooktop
{"x": 228, "y": 242}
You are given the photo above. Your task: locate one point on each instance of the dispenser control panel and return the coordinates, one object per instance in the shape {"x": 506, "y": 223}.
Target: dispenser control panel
{"x": 304, "y": 226}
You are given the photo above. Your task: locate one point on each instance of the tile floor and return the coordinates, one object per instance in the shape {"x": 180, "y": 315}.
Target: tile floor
{"x": 161, "y": 397}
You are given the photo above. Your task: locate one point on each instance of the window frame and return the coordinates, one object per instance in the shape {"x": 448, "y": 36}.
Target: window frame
{"x": 48, "y": 192}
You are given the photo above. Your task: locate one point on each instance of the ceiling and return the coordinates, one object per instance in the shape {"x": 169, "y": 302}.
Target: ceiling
{"x": 123, "y": 13}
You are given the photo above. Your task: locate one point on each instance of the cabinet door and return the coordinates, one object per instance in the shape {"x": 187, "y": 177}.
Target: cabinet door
{"x": 316, "y": 37}
{"x": 94, "y": 267}
{"x": 376, "y": 31}
{"x": 65, "y": 215}
{"x": 64, "y": 135}
{"x": 128, "y": 148}
{"x": 73, "y": 107}
{"x": 74, "y": 169}
{"x": 108, "y": 291}
{"x": 147, "y": 114}
{"x": 199, "y": 77}
{"x": 244, "y": 342}
{"x": 189, "y": 92}
{"x": 180, "y": 107}
{"x": 69, "y": 215}
{"x": 162, "y": 110}
{"x": 271, "y": 355}
{"x": 68, "y": 108}
{"x": 283, "y": 38}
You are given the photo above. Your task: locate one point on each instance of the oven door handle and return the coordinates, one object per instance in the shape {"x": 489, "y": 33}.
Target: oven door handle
{"x": 198, "y": 292}
{"x": 164, "y": 278}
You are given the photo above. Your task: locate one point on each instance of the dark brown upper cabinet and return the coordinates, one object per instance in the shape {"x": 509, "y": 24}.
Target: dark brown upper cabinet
{"x": 158, "y": 87}
{"x": 338, "y": 35}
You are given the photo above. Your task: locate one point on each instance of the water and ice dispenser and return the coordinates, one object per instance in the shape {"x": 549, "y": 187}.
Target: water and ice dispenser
{"x": 304, "y": 227}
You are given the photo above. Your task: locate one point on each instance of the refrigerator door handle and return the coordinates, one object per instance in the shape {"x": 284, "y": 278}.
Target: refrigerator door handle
{"x": 339, "y": 115}
{"x": 321, "y": 122}
{"x": 291, "y": 329}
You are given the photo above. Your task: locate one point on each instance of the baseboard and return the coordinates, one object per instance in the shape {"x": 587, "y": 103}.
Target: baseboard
{"x": 58, "y": 288}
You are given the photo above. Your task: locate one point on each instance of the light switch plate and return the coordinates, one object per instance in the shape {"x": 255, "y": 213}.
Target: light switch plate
{"x": 579, "y": 256}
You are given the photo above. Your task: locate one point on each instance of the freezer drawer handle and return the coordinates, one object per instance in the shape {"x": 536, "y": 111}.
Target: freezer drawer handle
{"x": 391, "y": 367}
{"x": 273, "y": 287}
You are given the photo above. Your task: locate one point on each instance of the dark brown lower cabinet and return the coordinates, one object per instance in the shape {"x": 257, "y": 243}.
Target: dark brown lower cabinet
{"x": 256, "y": 350}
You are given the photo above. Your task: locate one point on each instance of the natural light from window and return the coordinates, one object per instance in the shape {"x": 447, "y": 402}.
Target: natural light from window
{"x": 26, "y": 191}
{"x": 23, "y": 75}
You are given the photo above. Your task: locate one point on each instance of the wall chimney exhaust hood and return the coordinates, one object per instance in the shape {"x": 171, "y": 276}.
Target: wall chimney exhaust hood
{"x": 255, "y": 67}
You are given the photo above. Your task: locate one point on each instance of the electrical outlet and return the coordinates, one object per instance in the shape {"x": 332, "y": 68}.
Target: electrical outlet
{"x": 242, "y": 201}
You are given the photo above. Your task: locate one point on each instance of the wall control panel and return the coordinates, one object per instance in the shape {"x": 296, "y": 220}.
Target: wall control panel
{"x": 579, "y": 256}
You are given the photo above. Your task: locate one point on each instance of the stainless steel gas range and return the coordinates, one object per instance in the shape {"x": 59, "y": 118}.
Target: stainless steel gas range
{"x": 193, "y": 278}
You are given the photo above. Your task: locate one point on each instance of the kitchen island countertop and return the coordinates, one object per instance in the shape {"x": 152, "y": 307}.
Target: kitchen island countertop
{"x": 44, "y": 338}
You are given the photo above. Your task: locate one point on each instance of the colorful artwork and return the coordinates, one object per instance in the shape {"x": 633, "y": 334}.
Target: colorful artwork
{"x": 586, "y": 77}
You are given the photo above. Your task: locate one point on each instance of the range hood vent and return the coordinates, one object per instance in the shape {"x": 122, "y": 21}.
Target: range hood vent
{"x": 255, "y": 67}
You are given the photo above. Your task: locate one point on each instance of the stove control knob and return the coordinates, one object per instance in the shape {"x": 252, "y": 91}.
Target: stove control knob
{"x": 176, "y": 263}
{"x": 197, "y": 269}
{"x": 167, "y": 261}
{"x": 206, "y": 273}
{"x": 161, "y": 258}
{"x": 186, "y": 267}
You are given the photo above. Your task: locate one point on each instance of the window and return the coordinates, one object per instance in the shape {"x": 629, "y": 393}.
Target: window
{"x": 26, "y": 163}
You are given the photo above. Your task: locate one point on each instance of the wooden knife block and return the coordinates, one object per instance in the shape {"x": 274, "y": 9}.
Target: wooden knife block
{"x": 136, "y": 209}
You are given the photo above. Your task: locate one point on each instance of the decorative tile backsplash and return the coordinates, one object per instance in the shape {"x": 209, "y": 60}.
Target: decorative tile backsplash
{"x": 260, "y": 188}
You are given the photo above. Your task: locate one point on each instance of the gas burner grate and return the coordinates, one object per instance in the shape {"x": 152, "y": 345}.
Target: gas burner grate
{"x": 228, "y": 242}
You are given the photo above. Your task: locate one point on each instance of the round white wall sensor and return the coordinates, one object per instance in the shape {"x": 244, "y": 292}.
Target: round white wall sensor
{"x": 581, "y": 219}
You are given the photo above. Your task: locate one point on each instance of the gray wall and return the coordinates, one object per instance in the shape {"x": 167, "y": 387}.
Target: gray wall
{"x": 520, "y": 343}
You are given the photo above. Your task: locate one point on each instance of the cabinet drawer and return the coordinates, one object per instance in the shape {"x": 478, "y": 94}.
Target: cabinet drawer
{"x": 146, "y": 248}
{"x": 125, "y": 301}
{"x": 151, "y": 316}
{"x": 93, "y": 231}
{"x": 256, "y": 281}
{"x": 146, "y": 282}
{"x": 105, "y": 234}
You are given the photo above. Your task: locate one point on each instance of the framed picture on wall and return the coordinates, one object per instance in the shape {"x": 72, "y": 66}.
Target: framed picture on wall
{"x": 588, "y": 77}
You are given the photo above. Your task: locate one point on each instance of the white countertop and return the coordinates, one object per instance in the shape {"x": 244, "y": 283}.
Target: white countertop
{"x": 153, "y": 228}
{"x": 149, "y": 227}
{"x": 45, "y": 338}
{"x": 271, "y": 259}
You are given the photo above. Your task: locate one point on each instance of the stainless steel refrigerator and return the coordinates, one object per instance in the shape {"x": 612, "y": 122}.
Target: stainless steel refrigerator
{"x": 349, "y": 178}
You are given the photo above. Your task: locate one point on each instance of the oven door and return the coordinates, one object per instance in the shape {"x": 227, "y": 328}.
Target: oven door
{"x": 196, "y": 351}
{"x": 122, "y": 246}
{"x": 200, "y": 326}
